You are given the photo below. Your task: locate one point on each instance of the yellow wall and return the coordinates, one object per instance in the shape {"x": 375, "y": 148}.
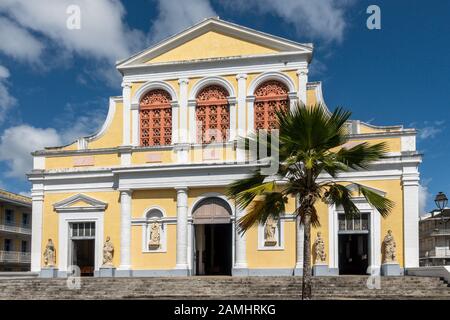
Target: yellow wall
{"x": 212, "y": 45}
{"x": 113, "y": 135}
{"x": 100, "y": 160}
{"x": 111, "y": 220}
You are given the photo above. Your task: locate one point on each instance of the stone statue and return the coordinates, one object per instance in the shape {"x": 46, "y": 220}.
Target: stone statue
{"x": 390, "y": 248}
{"x": 155, "y": 236}
{"x": 269, "y": 232}
{"x": 50, "y": 254}
{"x": 108, "y": 253}
{"x": 319, "y": 247}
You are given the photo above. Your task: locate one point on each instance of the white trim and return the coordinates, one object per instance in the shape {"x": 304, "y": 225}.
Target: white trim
{"x": 182, "y": 229}
{"x": 36, "y": 227}
{"x": 183, "y": 111}
{"x": 126, "y": 134}
{"x": 212, "y": 80}
{"x": 108, "y": 121}
{"x": 210, "y": 195}
{"x": 270, "y": 75}
{"x": 125, "y": 229}
{"x": 241, "y": 117}
{"x": 65, "y": 219}
{"x": 145, "y": 230}
{"x": 302, "y": 75}
{"x": 151, "y": 85}
{"x": 93, "y": 204}
{"x": 374, "y": 234}
{"x": 279, "y": 235}
{"x": 215, "y": 24}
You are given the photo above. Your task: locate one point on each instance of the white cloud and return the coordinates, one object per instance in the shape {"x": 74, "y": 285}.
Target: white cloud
{"x": 18, "y": 142}
{"x": 6, "y": 99}
{"x": 323, "y": 19}
{"x": 17, "y": 42}
{"x": 430, "y": 130}
{"x": 175, "y": 15}
{"x": 103, "y": 33}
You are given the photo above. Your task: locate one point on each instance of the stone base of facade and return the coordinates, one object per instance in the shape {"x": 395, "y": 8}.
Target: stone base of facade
{"x": 298, "y": 272}
{"x": 320, "y": 270}
{"x": 106, "y": 272}
{"x": 49, "y": 273}
{"x": 391, "y": 269}
{"x": 239, "y": 272}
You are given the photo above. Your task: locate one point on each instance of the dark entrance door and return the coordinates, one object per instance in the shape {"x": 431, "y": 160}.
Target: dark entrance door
{"x": 216, "y": 255}
{"x": 353, "y": 253}
{"x": 84, "y": 256}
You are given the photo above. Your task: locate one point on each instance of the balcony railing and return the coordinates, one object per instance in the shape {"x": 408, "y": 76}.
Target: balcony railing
{"x": 440, "y": 232}
{"x": 15, "y": 257}
{"x": 436, "y": 253}
{"x": 24, "y": 229}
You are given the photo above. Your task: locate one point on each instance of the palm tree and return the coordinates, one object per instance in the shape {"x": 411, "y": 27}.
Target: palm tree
{"x": 312, "y": 150}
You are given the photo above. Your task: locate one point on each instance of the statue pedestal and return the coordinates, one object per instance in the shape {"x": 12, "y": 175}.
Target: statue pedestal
{"x": 320, "y": 270}
{"x": 49, "y": 272}
{"x": 107, "y": 272}
{"x": 390, "y": 269}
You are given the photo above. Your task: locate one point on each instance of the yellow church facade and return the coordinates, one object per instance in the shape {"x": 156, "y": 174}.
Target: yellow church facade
{"x": 151, "y": 183}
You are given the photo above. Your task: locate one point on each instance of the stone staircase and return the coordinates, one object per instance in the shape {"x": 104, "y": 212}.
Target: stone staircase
{"x": 343, "y": 287}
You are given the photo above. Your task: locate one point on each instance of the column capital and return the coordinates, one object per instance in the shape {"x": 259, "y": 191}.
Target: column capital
{"x": 302, "y": 72}
{"x": 125, "y": 192}
{"x": 241, "y": 76}
{"x": 184, "y": 81}
{"x": 181, "y": 188}
{"x": 126, "y": 85}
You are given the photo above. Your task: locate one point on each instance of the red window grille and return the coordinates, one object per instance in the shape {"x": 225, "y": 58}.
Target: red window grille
{"x": 270, "y": 96}
{"x": 212, "y": 114}
{"x": 156, "y": 118}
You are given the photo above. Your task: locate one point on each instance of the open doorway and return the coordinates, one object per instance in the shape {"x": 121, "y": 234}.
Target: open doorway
{"x": 83, "y": 247}
{"x": 213, "y": 249}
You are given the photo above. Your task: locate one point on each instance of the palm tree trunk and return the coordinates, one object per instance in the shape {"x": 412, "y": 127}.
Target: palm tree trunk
{"x": 306, "y": 285}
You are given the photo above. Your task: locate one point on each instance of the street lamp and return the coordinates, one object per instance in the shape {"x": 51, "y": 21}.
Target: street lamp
{"x": 441, "y": 202}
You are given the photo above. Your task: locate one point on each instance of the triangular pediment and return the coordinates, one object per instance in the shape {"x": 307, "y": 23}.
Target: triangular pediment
{"x": 80, "y": 202}
{"x": 214, "y": 39}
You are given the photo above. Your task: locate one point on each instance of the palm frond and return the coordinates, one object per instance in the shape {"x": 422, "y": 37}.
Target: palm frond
{"x": 382, "y": 204}
{"x": 243, "y": 191}
{"x": 260, "y": 208}
{"x": 339, "y": 195}
{"x": 361, "y": 155}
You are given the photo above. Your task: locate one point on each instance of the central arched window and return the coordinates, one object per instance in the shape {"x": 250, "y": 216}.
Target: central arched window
{"x": 212, "y": 114}
{"x": 156, "y": 118}
{"x": 270, "y": 96}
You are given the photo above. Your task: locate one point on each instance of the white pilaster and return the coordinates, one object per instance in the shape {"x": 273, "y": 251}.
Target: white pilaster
{"x": 299, "y": 231}
{"x": 240, "y": 261}
{"x": 233, "y": 123}
{"x": 126, "y": 113}
{"x": 182, "y": 232}
{"x": 184, "y": 112}
{"x": 302, "y": 75}
{"x": 135, "y": 126}
{"x": 410, "y": 183}
{"x": 37, "y": 195}
{"x": 250, "y": 113}
{"x": 175, "y": 122}
{"x": 241, "y": 111}
{"x": 125, "y": 229}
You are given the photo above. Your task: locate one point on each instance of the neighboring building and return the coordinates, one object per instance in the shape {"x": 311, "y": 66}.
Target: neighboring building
{"x": 153, "y": 179}
{"x": 15, "y": 232}
{"x": 434, "y": 237}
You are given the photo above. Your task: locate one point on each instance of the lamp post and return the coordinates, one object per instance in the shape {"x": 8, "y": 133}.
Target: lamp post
{"x": 441, "y": 202}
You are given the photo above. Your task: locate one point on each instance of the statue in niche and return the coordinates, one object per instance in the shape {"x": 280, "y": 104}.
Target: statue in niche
{"x": 155, "y": 236}
{"x": 319, "y": 247}
{"x": 270, "y": 232}
{"x": 108, "y": 253}
{"x": 50, "y": 254}
{"x": 390, "y": 248}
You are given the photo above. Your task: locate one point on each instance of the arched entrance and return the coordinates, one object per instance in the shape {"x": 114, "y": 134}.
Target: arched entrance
{"x": 213, "y": 237}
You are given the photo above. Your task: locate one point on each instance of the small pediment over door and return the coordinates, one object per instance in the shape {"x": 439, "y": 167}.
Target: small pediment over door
{"x": 79, "y": 202}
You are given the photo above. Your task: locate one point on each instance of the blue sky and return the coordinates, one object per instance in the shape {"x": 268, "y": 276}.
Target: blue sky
{"x": 55, "y": 82}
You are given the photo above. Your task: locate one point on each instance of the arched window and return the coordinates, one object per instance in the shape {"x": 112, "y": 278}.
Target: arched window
{"x": 212, "y": 114}
{"x": 270, "y": 96}
{"x": 156, "y": 118}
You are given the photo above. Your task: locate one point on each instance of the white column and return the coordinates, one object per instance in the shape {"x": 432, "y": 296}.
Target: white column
{"x": 410, "y": 182}
{"x": 302, "y": 75}
{"x": 241, "y": 118}
{"x": 299, "y": 247}
{"x": 250, "y": 113}
{"x": 135, "y": 125}
{"x": 125, "y": 229}
{"x": 182, "y": 234}
{"x": 240, "y": 261}
{"x": 233, "y": 123}
{"x": 183, "y": 102}
{"x": 175, "y": 122}
{"x": 37, "y": 195}
{"x": 126, "y": 113}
